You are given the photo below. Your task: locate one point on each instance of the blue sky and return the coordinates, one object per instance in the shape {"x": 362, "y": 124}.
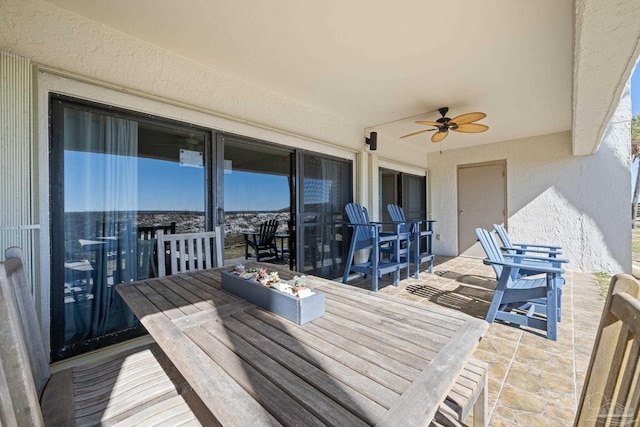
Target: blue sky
{"x": 164, "y": 186}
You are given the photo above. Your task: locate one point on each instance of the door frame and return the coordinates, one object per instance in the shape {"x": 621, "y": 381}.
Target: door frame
{"x": 502, "y": 163}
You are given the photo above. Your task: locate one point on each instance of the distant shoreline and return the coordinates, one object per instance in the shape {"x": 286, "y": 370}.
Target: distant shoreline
{"x": 151, "y": 212}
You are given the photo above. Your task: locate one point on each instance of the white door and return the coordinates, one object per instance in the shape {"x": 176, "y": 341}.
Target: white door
{"x": 481, "y": 203}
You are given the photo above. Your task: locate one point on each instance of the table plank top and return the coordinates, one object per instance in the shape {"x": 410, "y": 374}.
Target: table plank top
{"x": 370, "y": 360}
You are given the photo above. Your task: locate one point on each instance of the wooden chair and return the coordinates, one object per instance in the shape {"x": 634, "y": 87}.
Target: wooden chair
{"x": 186, "y": 252}
{"x": 263, "y": 243}
{"x": 417, "y": 253}
{"x": 385, "y": 254}
{"x": 524, "y": 301}
{"x": 610, "y": 395}
{"x": 150, "y": 232}
{"x": 132, "y": 387}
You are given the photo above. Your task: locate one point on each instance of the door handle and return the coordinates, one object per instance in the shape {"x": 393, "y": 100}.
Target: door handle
{"x": 461, "y": 212}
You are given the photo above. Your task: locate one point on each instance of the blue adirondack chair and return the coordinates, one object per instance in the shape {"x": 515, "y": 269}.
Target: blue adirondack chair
{"x": 525, "y": 248}
{"x": 385, "y": 248}
{"x": 417, "y": 254}
{"x": 522, "y": 248}
{"x": 523, "y": 300}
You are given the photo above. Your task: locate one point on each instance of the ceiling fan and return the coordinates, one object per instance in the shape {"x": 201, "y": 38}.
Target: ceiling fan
{"x": 463, "y": 123}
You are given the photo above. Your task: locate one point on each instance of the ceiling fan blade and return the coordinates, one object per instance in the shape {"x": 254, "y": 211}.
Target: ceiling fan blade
{"x": 472, "y": 128}
{"x": 468, "y": 118}
{"x": 437, "y": 137}
{"x": 416, "y": 133}
{"x": 424, "y": 122}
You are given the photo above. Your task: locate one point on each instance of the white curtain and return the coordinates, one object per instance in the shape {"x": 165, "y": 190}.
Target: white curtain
{"x": 101, "y": 160}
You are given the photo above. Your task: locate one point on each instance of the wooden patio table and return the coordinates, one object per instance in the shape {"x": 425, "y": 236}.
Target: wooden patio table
{"x": 370, "y": 360}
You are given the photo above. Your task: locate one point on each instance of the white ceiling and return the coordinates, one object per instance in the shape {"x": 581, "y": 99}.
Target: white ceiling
{"x": 370, "y": 62}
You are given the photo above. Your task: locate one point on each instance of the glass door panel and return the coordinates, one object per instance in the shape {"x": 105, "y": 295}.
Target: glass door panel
{"x": 322, "y": 236}
{"x": 257, "y": 187}
{"x": 121, "y": 179}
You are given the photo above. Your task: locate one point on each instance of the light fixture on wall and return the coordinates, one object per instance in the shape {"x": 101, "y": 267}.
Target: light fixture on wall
{"x": 372, "y": 141}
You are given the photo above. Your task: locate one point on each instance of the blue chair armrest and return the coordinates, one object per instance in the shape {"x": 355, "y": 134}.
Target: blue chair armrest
{"x": 539, "y": 251}
{"x": 540, "y": 268}
{"x": 531, "y": 245}
{"x": 536, "y": 258}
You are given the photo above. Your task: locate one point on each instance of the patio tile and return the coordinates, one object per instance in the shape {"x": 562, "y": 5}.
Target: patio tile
{"x": 545, "y": 361}
{"x": 532, "y": 381}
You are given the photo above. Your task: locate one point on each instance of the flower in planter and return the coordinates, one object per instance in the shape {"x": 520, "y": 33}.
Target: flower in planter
{"x": 298, "y": 281}
{"x": 273, "y": 277}
{"x": 263, "y": 276}
{"x": 239, "y": 268}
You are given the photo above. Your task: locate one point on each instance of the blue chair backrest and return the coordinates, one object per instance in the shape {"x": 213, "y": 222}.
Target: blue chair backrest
{"x": 358, "y": 214}
{"x": 491, "y": 248}
{"x": 397, "y": 214}
{"x": 502, "y": 233}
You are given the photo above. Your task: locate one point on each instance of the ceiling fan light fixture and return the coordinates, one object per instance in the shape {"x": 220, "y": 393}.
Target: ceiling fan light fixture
{"x": 463, "y": 123}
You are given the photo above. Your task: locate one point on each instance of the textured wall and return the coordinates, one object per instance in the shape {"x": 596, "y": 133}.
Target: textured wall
{"x": 581, "y": 203}
{"x": 57, "y": 38}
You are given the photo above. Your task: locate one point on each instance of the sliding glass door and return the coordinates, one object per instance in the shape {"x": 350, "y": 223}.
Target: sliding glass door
{"x": 255, "y": 185}
{"x": 323, "y": 238}
{"x": 116, "y": 179}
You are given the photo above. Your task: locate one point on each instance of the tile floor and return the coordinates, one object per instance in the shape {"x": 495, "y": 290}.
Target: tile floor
{"x": 532, "y": 381}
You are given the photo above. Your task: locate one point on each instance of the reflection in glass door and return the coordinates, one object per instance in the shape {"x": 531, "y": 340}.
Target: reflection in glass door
{"x": 323, "y": 237}
{"x": 258, "y": 186}
{"x": 119, "y": 178}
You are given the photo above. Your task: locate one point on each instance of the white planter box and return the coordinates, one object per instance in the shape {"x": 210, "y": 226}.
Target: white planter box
{"x": 298, "y": 310}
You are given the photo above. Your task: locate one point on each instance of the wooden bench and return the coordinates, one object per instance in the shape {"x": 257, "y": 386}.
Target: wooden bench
{"x": 611, "y": 395}
{"x": 131, "y": 388}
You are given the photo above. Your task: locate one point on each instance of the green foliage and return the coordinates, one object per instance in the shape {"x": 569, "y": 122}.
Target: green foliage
{"x": 603, "y": 282}
{"x": 635, "y": 136}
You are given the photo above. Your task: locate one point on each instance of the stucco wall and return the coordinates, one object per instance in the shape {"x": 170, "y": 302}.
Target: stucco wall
{"x": 581, "y": 203}
{"x": 57, "y": 38}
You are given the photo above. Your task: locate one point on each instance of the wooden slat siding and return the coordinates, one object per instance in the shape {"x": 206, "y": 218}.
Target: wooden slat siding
{"x": 429, "y": 386}
{"x": 389, "y": 378}
{"x": 265, "y": 369}
{"x": 226, "y": 400}
{"x": 260, "y": 388}
{"x": 315, "y": 367}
